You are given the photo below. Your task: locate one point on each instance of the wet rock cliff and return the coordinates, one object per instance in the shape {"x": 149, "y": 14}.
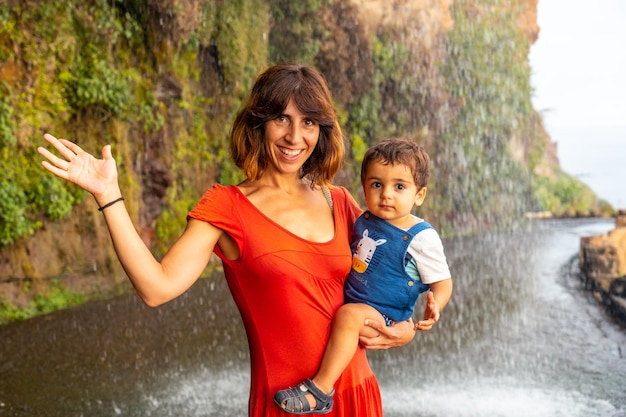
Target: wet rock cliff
{"x": 162, "y": 80}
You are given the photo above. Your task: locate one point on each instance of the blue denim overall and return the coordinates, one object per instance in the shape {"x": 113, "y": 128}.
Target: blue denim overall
{"x": 378, "y": 276}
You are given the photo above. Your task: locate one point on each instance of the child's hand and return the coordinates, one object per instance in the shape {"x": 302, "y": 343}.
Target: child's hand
{"x": 431, "y": 314}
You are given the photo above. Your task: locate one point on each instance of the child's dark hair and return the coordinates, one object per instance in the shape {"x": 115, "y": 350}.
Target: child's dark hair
{"x": 399, "y": 151}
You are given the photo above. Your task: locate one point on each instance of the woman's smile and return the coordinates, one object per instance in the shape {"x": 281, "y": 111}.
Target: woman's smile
{"x": 292, "y": 153}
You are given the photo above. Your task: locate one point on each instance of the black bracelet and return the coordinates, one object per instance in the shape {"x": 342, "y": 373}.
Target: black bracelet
{"x": 111, "y": 203}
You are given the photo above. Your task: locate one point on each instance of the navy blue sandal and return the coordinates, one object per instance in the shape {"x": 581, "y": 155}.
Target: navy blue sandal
{"x": 293, "y": 400}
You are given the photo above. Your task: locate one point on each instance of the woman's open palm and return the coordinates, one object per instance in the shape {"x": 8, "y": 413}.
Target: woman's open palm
{"x": 83, "y": 169}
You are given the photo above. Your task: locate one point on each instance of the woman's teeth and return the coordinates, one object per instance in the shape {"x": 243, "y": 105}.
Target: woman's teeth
{"x": 290, "y": 152}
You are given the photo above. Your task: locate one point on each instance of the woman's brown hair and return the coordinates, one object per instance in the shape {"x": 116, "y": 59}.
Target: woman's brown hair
{"x": 270, "y": 95}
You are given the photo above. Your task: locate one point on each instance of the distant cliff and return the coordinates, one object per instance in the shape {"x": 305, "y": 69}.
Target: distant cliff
{"x": 162, "y": 80}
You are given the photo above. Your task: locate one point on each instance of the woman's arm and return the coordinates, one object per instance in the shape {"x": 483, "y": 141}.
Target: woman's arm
{"x": 156, "y": 282}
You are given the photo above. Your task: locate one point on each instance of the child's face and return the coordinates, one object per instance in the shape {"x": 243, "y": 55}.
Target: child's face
{"x": 390, "y": 192}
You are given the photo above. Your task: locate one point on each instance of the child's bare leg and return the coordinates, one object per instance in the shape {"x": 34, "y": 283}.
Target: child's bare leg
{"x": 348, "y": 325}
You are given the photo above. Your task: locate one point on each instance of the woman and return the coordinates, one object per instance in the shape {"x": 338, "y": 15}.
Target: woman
{"x": 282, "y": 236}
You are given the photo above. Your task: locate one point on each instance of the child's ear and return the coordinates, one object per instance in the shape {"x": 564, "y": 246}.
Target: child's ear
{"x": 420, "y": 196}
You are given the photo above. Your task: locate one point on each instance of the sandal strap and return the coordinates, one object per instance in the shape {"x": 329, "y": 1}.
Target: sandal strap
{"x": 319, "y": 395}
{"x": 294, "y": 401}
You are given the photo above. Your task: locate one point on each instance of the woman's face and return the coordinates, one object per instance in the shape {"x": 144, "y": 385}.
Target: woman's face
{"x": 291, "y": 139}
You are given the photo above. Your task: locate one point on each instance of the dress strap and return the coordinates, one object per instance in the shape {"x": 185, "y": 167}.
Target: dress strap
{"x": 328, "y": 196}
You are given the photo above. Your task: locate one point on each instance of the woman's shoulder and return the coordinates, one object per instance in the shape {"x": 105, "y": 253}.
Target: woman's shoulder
{"x": 215, "y": 199}
{"x": 219, "y": 190}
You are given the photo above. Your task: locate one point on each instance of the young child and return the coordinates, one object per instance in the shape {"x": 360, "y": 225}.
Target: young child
{"x": 396, "y": 257}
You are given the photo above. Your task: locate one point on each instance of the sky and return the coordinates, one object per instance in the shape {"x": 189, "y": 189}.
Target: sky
{"x": 578, "y": 75}
{"x": 579, "y": 62}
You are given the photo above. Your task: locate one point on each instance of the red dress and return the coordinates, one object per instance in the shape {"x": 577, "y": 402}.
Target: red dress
{"x": 287, "y": 290}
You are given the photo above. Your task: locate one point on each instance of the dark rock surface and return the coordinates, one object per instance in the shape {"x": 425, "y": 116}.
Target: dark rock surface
{"x": 602, "y": 262}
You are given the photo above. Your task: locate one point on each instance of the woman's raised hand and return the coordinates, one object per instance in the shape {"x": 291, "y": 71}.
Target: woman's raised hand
{"x": 97, "y": 176}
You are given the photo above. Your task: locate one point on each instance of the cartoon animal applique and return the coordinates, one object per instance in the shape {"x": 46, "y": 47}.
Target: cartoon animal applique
{"x": 364, "y": 251}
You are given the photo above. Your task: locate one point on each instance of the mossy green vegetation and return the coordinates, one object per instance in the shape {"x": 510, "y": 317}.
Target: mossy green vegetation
{"x": 53, "y": 298}
{"x": 119, "y": 72}
{"x": 565, "y": 196}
